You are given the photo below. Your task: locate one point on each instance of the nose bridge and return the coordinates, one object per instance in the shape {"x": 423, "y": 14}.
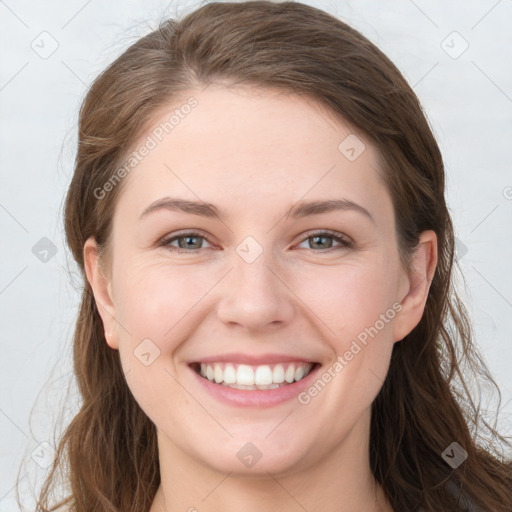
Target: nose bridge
{"x": 254, "y": 296}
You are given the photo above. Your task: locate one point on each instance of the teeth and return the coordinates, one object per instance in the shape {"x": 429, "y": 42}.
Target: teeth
{"x": 245, "y": 375}
{"x": 251, "y": 388}
{"x": 229, "y": 374}
{"x": 261, "y": 377}
{"x": 278, "y": 374}
{"x": 217, "y": 372}
{"x": 290, "y": 374}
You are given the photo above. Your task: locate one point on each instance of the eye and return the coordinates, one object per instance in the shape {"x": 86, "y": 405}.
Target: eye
{"x": 319, "y": 239}
{"x": 189, "y": 241}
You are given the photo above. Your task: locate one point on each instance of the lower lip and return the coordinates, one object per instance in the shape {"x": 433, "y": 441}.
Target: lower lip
{"x": 254, "y": 398}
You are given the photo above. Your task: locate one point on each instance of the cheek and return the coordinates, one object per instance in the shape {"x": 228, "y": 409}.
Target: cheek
{"x": 350, "y": 298}
{"x": 156, "y": 390}
{"x": 155, "y": 304}
{"x": 354, "y": 306}
{"x": 152, "y": 299}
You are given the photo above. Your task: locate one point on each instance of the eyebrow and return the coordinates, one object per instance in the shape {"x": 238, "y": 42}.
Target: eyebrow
{"x": 298, "y": 210}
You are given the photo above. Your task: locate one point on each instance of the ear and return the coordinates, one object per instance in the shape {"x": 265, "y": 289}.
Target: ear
{"x": 102, "y": 289}
{"x": 416, "y": 285}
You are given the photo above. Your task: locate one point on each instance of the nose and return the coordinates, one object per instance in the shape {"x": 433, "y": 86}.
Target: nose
{"x": 255, "y": 296}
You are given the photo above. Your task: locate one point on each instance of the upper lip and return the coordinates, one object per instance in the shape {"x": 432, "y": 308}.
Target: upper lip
{"x": 252, "y": 360}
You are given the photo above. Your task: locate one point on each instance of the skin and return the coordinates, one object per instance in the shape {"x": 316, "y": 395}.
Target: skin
{"x": 254, "y": 153}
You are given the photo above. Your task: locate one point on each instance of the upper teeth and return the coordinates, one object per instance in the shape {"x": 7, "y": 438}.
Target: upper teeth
{"x": 243, "y": 374}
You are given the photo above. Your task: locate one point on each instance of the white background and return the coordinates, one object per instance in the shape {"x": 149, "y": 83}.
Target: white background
{"x": 468, "y": 101}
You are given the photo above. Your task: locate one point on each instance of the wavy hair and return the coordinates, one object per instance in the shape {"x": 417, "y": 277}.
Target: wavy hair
{"x": 108, "y": 454}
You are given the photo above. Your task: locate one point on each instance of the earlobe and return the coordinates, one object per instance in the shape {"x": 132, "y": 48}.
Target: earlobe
{"x": 423, "y": 265}
{"x": 102, "y": 290}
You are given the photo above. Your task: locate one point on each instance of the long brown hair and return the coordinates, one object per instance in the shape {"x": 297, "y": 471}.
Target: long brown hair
{"x": 108, "y": 454}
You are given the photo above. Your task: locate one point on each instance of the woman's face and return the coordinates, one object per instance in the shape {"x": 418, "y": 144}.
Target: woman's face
{"x": 226, "y": 256}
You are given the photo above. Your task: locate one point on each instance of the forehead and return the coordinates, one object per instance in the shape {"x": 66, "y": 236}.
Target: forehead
{"x": 250, "y": 149}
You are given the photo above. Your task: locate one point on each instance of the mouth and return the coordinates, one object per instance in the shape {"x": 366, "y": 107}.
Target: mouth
{"x": 254, "y": 378}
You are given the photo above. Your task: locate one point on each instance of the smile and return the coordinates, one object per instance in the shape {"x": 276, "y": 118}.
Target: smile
{"x": 251, "y": 378}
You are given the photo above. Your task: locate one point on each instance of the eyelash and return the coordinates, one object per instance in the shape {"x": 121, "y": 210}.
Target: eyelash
{"x": 344, "y": 241}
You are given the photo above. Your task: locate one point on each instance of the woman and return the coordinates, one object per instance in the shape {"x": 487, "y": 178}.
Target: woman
{"x": 268, "y": 320}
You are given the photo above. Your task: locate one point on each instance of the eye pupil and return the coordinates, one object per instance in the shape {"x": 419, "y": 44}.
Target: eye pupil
{"x": 316, "y": 238}
{"x": 186, "y": 244}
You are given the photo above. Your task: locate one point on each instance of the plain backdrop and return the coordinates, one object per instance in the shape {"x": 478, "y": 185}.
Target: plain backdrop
{"x": 457, "y": 56}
